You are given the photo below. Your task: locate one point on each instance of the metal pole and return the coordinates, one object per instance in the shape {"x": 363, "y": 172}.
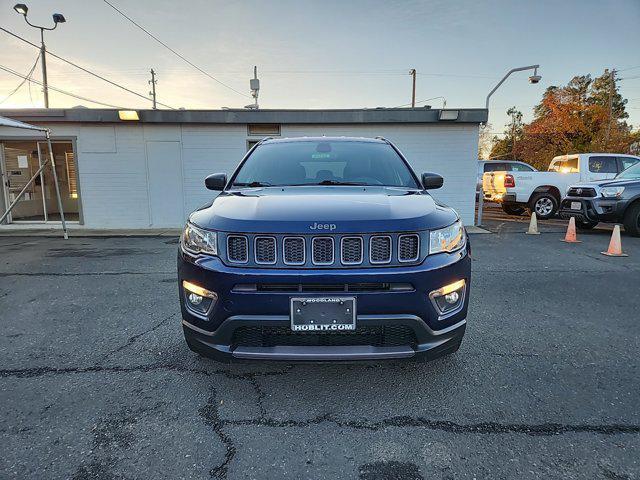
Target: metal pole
{"x": 153, "y": 88}
{"x": 44, "y": 199}
{"x": 412, "y": 72}
{"x": 513, "y": 70}
{"x": 55, "y": 181}
{"x": 43, "y": 54}
{"x": 611, "y": 91}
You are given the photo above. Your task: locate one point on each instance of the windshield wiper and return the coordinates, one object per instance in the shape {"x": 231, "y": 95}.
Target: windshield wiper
{"x": 337, "y": 182}
{"x": 252, "y": 184}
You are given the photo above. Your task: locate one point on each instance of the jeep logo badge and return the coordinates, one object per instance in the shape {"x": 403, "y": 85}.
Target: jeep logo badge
{"x": 322, "y": 226}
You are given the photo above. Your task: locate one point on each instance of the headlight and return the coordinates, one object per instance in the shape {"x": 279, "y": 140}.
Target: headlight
{"x": 609, "y": 192}
{"x": 197, "y": 240}
{"x": 447, "y": 239}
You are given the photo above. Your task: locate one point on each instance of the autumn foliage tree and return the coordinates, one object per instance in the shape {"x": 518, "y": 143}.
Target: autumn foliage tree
{"x": 586, "y": 115}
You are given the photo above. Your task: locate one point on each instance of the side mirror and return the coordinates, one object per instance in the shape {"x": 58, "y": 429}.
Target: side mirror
{"x": 432, "y": 180}
{"x": 217, "y": 181}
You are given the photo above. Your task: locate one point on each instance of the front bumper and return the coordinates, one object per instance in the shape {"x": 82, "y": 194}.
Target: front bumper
{"x": 593, "y": 209}
{"x": 434, "y": 335}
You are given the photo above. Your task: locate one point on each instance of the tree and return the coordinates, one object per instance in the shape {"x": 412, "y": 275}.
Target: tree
{"x": 505, "y": 147}
{"x": 585, "y": 115}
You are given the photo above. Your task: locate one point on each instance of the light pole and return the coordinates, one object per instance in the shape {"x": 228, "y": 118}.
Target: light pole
{"x": 533, "y": 79}
{"x": 22, "y": 9}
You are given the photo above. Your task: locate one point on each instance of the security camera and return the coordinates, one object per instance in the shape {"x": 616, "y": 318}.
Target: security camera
{"x": 535, "y": 78}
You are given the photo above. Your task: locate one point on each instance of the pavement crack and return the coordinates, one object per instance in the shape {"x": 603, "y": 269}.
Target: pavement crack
{"x": 135, "y": 337}
{"x": 260, "y": 396}
{"x": 543, "y": 429}
{"x": 44, "y": 371}
{"x": 78, "y": 274}
{"x": 211, "y": 415}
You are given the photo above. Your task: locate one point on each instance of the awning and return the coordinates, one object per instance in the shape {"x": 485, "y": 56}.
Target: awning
{"x": 8, "y": 122}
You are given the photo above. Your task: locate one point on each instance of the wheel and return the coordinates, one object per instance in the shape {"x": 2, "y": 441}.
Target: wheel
{"x": 585, "y": 225}
{"x": 545, "y": 205}
{"x": 632, "y": 220}
{"x": 512, "y": 209}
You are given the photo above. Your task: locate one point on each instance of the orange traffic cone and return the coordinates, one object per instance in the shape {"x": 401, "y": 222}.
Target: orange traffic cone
{"x": 533, "y": 225}
{"x": 570, "y": 237}
{"x": 615, "y": 245}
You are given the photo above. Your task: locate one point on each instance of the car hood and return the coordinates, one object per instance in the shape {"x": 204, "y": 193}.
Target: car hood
{"x": 323, "y": 209}
{"x": 612, "y": 182}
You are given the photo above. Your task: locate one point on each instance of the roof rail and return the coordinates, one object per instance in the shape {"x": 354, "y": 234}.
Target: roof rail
{"x": 383, "y": 139}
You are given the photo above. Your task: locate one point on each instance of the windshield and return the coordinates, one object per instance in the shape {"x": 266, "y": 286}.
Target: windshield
{"x": 565, "y": 165}
{"x": 324, "y": 163}
{"x": 632, "y": 172}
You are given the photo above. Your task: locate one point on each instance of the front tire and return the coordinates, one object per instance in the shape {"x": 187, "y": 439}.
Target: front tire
{"x": 544, "y": 204}
{"x": 632, "y": 220}
{"x": 512, "y": 209}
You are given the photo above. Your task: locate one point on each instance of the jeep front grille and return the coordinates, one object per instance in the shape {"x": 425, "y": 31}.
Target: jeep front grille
{"x": 280, "y": 250}
{"x": 380, "y": 249}
{"x": 238, "y": 248}
{"x": 294, "y": 250}
{"x": 351, "y": 250}
{"x": 265, "y": 250}
{"x": 322, "y": 250}
{"x": 408, "y": 248}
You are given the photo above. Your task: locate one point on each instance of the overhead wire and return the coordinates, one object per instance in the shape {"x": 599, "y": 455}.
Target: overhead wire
{"x": 59, "y": 90}
{"x": 179, "y": 55}
{"x": 85, "y": 70}
{"x": 26, "y": 78}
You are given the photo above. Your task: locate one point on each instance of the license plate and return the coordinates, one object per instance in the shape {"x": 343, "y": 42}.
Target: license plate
{"x": 576, "y": 206}
{"x": 323, "y": 314}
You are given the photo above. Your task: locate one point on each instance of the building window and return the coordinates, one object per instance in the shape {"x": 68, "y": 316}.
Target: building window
{"x": 263, "y": 129}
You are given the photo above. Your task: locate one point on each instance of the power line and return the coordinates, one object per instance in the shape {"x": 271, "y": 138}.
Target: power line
{"x": 172, "y": 50}
{"x": 64, "y": 92}
{"x": 26, "y": 78}
{"x": 421, "y": 101}
{"x": 84, "y": 69}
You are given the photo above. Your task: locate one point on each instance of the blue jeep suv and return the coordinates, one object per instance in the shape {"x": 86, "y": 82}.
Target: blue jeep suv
{"x": 323, "y": 249}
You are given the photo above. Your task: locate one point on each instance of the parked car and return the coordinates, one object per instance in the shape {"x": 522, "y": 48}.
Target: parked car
{"x": 542, "y": 192}
{"x": 501, "y": 166}
{"x": 327, "y": 248}
{"x": 611, "y": 201}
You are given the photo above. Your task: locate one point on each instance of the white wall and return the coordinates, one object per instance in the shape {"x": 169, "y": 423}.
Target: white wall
{"x": 113, "y": 174}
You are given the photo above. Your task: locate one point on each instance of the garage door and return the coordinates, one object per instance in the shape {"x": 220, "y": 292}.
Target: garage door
{"x": 166, "y": 203}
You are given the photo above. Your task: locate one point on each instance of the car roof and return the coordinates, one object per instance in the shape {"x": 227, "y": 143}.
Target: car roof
{"x": 324, "y": 139}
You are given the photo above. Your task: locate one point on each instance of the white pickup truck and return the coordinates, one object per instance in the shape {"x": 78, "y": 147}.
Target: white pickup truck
{"x": 542, "y": 192}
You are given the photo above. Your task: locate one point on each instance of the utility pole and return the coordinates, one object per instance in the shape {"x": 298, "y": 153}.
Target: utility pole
{"x": 153, "y": 82}
{"x": 513, "y": 135}
{"x": 412, "y": 72}
{"x": 612, "y": 86}
{"x": 254, "y": 85}
{"x": 22, "y": 9}
{"x": 43, "y": 57}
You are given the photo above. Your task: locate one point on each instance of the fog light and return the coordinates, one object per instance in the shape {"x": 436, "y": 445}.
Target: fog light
{"x": 199, "y": 299}
{"x": 194, "y": 299}
{"x": 452, "y": 297}
{"x": 449, "y": 298}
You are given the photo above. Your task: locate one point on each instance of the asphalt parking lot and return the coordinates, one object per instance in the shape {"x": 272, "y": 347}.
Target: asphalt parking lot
{"x": 96, "y": 382}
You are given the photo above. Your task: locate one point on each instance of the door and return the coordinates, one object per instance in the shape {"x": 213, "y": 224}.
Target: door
{"x": 164, "y": 175}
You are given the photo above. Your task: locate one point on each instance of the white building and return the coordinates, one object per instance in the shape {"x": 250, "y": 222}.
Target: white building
{"x": 149, "y": 173}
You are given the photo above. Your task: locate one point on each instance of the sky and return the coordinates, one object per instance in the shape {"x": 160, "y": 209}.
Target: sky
{"x": 323, "y": 54}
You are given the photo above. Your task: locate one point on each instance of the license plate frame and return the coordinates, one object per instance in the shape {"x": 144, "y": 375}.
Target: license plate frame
{"x": 576, "y": 205}
{"x": 323, "y": 314}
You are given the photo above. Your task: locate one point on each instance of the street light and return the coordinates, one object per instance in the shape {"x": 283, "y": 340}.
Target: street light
{"x": 22, "y": 9}
{"x": 533, "y": 79}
